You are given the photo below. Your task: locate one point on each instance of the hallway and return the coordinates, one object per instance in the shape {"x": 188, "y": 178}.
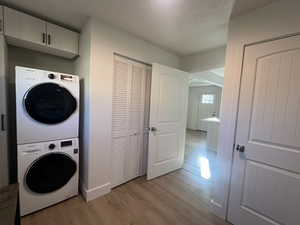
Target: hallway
{"x": 198, "y": 160}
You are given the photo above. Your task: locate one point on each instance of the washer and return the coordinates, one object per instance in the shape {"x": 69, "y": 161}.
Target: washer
{"x": 47, "y": 105}
{"x": 47, "y": 173}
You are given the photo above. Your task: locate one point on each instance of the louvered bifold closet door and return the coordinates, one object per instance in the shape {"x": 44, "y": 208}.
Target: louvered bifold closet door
{"x": 136, "y": 122}
{"x": 144, "y": 155}
{"x": 128, "y": 129}
{"x": 120, "y": 118}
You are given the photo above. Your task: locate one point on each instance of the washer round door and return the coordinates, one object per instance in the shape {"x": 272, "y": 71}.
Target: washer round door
{"x": 49, "y": 103}
{"x": 50, "y": 173}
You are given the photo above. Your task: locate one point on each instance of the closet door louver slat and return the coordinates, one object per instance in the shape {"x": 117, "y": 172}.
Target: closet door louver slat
{"x": 120, "y": 116}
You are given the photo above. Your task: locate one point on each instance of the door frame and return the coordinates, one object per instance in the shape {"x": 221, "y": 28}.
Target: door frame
{"x": 241, "y": 35}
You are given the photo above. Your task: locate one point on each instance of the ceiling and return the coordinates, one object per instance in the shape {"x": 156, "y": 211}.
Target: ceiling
{"x": 181, "y": 26}
{"x": 207, "y": 78}
{"x": 219, "y": 71}
{"x": 244, "y": 6}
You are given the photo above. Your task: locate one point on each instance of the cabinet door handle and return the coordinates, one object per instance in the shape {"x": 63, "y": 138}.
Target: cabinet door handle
{"x": 44, "y": 37}
{"x": 2, "y": 122}
{"x": 49, "y": 39}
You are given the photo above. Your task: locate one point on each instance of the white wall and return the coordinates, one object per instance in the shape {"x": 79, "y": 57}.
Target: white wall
{"x": 195, "y": 94}
{"x": 82, "y": 68}
{"x": 105, "y": 41}
{"x": 28, "y": 58}
{"x": 273, "y": 21}
{"x": 204, "y": 61}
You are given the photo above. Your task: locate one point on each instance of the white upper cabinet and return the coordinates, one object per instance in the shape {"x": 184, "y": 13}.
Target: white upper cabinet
{"x": 22, "y": 27}
{"x": 62, "y": 39}
{"x": 26, "y": 31}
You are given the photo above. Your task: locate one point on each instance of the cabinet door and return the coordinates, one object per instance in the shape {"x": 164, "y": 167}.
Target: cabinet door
{"x": 1, "y": 20}
{"x": 3, "y": 134}
{"x": 3, "y": 117}
{"x": 22, "y": 27}
{"x": 62, "y": 39}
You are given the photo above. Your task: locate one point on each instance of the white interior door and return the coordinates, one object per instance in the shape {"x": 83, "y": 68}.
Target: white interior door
{"x": 168, "y": 116}
{"x": 266, "y": 176}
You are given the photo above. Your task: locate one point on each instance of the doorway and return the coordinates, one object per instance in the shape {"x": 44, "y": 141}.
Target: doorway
{"x": 155, "y": 145}
{"x": 148, "y": 120}
{"x": 203, "y": 127}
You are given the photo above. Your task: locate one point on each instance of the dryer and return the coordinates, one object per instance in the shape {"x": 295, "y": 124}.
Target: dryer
{"x": 47, "y": 105}
{"x": 47, "y": 173}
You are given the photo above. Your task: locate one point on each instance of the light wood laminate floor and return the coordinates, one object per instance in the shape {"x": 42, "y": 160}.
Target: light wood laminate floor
{"x": 178, "y": 198}
{"x": 197, "y": 158}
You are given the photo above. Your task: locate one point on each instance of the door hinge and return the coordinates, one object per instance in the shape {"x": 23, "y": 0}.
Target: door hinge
{"x": 2, "y": 122}
{"x": 49, "y": 39}
{"x": 44, "y": 37}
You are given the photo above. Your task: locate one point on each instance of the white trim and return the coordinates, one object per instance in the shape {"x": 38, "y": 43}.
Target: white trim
{"x": 93, "y": 193}
{"x": 208, "y": 77}
{"x": 217, "y": 209}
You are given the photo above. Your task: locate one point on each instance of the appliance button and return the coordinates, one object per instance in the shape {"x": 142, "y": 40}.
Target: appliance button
{"x": 51, "y": 76}
{"x": 52, "y": 146}
{"x": 76, "y": 151}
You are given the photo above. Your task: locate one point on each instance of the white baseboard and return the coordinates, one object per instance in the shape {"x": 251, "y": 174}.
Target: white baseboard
{"x": 93, "y": 193}
{"x": 217, "y": 209}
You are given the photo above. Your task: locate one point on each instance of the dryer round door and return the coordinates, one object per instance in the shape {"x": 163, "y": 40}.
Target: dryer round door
{"x": 50, "y": 173}
{"x": 49, "y": 103}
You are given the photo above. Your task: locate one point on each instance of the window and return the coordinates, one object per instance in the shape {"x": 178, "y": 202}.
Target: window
{"x": 207, "y": 99}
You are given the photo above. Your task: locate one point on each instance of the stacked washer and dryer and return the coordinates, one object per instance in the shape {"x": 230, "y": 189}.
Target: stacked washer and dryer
{"x": 47, "y": 113}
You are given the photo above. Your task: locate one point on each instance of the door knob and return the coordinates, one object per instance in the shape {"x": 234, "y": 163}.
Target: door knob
{"x": 240, "y": 148}
{"x": 153, "y": 129}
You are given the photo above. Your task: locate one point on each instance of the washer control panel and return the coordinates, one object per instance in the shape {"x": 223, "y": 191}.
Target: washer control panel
{"x": 68, "y": 145}
{"x": 51, "y": 76}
